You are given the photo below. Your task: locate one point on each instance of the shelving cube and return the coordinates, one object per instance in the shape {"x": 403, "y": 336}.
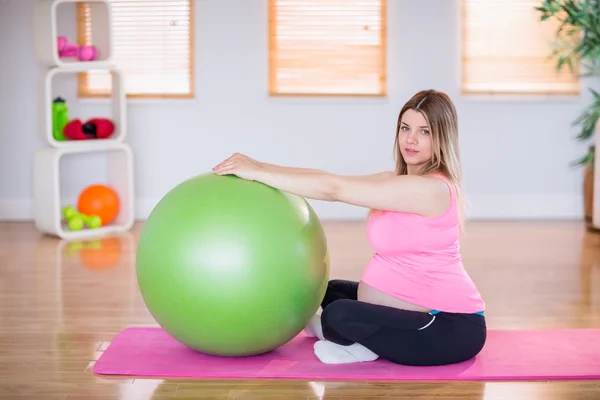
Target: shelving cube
{"x": 46, "y": 33}
{"x": 48, "y": 203}
{"x": 117, "y": 100}
{"x": 47, "y": 171}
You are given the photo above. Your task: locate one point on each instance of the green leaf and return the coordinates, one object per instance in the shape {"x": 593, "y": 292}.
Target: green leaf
{"x": 576, "y": 45}
{"x": 588, "y": 125}
{"x": 588, "y": 158}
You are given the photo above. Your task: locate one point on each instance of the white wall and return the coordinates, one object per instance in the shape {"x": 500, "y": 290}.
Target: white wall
{"x": 174, "y": 140}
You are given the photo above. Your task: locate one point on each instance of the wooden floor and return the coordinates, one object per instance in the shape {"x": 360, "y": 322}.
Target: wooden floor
{"x": 61, "y": 304}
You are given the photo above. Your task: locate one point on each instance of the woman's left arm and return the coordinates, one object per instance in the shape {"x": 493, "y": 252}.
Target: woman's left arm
{"x": 384, "y": 191}
{"x": 305, "y": 182}
{"x": 313, "y": 184}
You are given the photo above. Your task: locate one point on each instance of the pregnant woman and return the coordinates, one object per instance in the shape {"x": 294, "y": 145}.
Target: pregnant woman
{"x": 415, "y": 304}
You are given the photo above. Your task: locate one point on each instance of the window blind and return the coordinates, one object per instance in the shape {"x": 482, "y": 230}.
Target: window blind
{"x": 506, "y": 49}
{"x": 152, "y": 44}
{"x": 327, "y": 47}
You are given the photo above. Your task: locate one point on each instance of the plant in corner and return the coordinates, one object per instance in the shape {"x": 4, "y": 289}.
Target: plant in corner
{"x": 578, "y": 44}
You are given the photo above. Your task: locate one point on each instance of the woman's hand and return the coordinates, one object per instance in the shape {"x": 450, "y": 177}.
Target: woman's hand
{"x": 311, "y": 183}
{"x": 240, "y": 165}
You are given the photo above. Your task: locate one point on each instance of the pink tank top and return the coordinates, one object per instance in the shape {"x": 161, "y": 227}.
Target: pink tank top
{"x": 417, "y": 259}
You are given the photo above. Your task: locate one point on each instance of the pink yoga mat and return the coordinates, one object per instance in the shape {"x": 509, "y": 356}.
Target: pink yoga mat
{"x": 508, "y": 355}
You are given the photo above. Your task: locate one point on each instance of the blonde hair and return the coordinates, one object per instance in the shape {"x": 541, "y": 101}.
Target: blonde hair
{"x": 440, "y": 113}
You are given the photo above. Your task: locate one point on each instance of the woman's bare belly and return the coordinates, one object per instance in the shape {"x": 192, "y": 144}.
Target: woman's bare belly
{"x": 371, "y": 295}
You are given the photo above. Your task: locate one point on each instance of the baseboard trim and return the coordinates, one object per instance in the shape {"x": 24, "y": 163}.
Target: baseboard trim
{"x": 482, "y": 207}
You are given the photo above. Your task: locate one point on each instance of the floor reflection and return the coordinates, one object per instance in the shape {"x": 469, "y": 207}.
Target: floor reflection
{"x": 63, "y": 302}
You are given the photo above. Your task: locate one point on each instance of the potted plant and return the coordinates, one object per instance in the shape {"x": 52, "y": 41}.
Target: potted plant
{"x": 578, "y": 44}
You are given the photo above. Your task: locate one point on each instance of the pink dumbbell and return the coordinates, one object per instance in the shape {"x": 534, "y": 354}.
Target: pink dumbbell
{"x": 83, "y": 53}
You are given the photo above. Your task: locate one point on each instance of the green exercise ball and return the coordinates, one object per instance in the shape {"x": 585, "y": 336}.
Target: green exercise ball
{"x": 232, "y": 267}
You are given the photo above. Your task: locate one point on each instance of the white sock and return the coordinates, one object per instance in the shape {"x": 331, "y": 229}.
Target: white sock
{"x": 314, "y": 327}
{"x": 333, "y": 353}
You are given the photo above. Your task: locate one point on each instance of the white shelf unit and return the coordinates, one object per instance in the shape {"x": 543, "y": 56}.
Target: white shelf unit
{"x": 46, "y": 32}
{"x": 48, "y": 171}
{"x": 117, "y": 99}
{"x": 48, "y": 201}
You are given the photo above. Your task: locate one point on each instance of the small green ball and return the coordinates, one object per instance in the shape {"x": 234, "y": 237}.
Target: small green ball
{"x": 69, "y": 212}
{"x": 94, "y": 221}
{"x": 76, "y": 223}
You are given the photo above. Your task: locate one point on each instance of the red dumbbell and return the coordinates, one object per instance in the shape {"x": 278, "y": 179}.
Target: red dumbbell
{"x": 95, "y": 128}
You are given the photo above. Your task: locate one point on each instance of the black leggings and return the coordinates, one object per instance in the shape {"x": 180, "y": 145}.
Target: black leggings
{"x": 400, "y": 336}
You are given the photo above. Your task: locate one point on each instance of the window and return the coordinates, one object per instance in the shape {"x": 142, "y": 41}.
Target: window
{"x": 506, "y": 49}
{"x": 152, "y": 44}
{"x": 327, "y": 47}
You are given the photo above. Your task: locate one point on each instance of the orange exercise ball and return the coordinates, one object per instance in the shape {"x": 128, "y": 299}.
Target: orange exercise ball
{"x": 100, "y": 200}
